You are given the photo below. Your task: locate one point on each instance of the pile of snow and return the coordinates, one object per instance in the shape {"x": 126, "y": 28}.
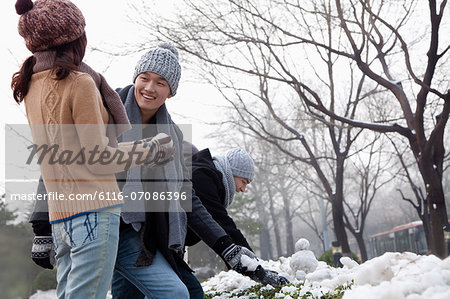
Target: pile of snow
{"x": 392, "y": 275}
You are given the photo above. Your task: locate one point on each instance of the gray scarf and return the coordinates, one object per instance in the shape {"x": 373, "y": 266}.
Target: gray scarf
{"x": 117, "y": 121}
{"x": 222, "y": 164}
{"x": 172, "y": 173}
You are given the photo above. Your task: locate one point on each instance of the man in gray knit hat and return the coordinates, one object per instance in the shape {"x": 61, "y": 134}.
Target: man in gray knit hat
{"x": 151, "y": 244}
{"x": 216, "y": 180}
{"x": 156, "y": 77}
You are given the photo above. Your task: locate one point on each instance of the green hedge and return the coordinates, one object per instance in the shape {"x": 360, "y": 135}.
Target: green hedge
{"x": 327, "y": 257}
{"x": 45, "y": 280}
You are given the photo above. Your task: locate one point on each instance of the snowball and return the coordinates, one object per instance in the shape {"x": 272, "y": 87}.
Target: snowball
{"x": 302, "y": 244}
{"x": 304, "y": 260}
{"x": 249, "y": 262}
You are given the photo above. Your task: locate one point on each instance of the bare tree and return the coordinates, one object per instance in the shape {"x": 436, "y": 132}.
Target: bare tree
{"x": 278, "y": 187}
{"x": 419, "y": 200}
{"x": 262, "y": 41}
{"x": 283, "y": 200}
{"x": 315, "y": 209}
{"x": 369, "y": 176}
{"x": 264, "y": 187}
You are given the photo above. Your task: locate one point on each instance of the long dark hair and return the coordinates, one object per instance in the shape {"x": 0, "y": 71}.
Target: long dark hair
{"x": 68, "y": 58}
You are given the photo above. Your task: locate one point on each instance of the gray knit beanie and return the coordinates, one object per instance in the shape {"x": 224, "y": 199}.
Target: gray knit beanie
{"x": 162, "y": 60}
{"x": 241, "y": 163}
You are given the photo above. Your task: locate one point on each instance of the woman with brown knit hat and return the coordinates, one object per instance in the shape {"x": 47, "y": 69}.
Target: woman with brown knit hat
{"x": 68, "y": 107}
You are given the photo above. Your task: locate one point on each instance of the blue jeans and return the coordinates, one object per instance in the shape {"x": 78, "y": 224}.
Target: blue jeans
{"x": 158, "y": 280}
{"x": 86, "y": 249}
{"x": 123, "y": 289}
{"x": 192, "y": 283}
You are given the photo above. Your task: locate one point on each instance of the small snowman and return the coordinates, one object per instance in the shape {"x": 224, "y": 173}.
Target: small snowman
{"x": 303, "y": 261}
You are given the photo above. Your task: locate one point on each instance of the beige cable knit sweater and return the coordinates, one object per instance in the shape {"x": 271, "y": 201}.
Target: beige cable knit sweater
{"x": 70, "y": 114}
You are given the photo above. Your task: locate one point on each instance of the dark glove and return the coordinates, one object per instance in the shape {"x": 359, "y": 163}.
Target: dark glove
{"x": 267, "y": 277}
{"x": 43, "y": 252}
{"x": 239, "y": 258}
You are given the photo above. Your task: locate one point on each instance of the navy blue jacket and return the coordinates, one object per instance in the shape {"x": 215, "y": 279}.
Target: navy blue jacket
{"x": 208, "y": 186}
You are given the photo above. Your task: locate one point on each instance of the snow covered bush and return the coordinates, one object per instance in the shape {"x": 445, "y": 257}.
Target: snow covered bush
{"x": 45, "y": 280}
{"x": 392, "y": 275}
{"x": 287, "y": 292}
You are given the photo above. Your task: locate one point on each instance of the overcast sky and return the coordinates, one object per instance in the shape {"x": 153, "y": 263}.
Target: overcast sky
{"x": 107, "y": 26}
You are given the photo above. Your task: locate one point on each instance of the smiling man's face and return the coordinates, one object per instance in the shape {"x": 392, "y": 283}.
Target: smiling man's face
{"x": 151, "y": 91}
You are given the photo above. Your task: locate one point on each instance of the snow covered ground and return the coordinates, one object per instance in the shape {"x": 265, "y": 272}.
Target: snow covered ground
{"x": 390, "y": 276}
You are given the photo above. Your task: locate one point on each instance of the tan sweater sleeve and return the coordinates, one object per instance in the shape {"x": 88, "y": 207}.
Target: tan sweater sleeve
{"x": 90, "y": 117}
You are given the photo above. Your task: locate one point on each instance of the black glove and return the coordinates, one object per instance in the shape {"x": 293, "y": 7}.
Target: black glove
{"x": 267, "y": 277}
{"x": 43, "y": 252}
{"x": 245, "y": 262}
{"x": 239, "y": 258}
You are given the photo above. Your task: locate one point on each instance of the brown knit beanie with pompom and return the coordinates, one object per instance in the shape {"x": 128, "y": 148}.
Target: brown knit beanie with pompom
{"x": 45, "y": 24}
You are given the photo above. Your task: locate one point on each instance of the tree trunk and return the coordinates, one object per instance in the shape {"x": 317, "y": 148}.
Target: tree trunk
{"x": 265, "y": 245}
{"x": 276, "y": 230}
{"x": 289, "y": 235}
{"x": 290, "y": 250}
{"x": 430, "y": 165}
{"x": 361, "y": 245}
{"x": 425, "y": 217}
{"x": 338, "y": 208}
{"x": 438, "y": 213}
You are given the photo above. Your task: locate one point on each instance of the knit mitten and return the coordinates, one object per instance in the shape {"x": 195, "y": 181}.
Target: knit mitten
{"x": 43, "y": 252}
{"x": 265, "y": 277}
{"x": 240, "y": 259}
